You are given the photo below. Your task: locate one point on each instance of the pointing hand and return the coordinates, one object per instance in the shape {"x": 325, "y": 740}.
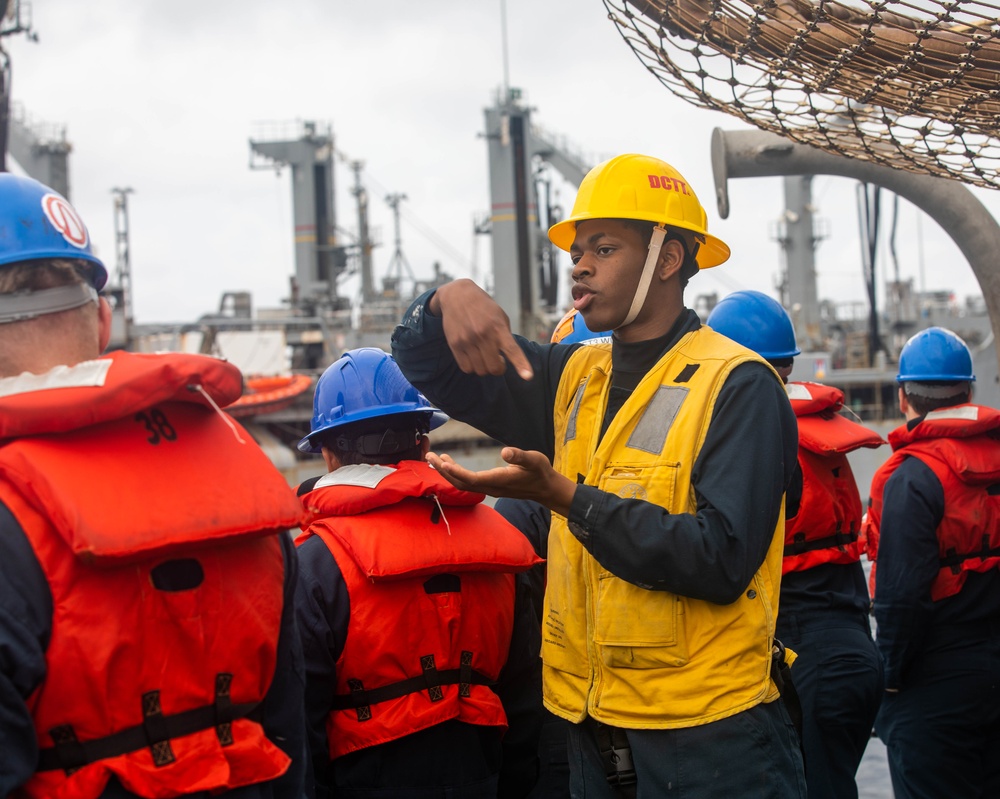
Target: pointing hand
{"x": 477, "y": 330}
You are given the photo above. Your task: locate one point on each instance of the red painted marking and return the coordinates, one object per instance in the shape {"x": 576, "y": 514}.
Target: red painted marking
{"x": 668, "y": 183}
{"x": 65, "y": 219}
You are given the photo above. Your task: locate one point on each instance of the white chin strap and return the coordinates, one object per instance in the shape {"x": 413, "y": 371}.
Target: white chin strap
{"x": 647, "y": 275}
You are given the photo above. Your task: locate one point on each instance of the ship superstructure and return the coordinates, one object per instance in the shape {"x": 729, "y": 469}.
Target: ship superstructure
{"x": 854, "y": 348}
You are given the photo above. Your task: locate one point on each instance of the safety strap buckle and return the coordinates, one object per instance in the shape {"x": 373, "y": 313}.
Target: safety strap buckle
{"x": 781, "y": 675}
{"x": 616, "y": 753}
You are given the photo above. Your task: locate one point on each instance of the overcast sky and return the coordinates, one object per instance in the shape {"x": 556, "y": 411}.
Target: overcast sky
{"x": 163, "y": 97}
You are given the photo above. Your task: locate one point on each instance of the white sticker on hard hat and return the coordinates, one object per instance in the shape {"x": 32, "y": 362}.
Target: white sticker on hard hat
{"x": 65, "y": 219}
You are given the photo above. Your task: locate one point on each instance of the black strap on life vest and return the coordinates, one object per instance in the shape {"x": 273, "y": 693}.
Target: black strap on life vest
{"x": 616, "y": 754}
{"x": 953, "y": 559}
{"x": 155, "y": 732}
{"x": 781, "y": 676}
{"x": 431, "y": 680}
{"x": 800, "y": 545}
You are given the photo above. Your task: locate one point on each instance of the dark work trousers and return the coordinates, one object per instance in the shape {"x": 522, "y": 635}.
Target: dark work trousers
{"x": 838, "y": 677}
{"x": 752, "y": 755}
{"x": 942, "y": 730}
{"x": 553, "y": 763}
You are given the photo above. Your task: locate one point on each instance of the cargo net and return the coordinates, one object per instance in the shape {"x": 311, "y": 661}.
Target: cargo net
{"x": 911, "y": 85}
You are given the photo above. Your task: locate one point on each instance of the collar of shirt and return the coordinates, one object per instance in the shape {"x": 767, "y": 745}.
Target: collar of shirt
{"x": 631, "y": 361}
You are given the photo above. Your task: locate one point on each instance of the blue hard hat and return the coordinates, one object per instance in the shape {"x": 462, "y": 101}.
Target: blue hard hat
{"x": 572, "y": 329}
{"x": 38, "y": 223}
{"x": 935, "y": 355}
{"x": 756, "y": 321}
{"x": 364, "y": 384}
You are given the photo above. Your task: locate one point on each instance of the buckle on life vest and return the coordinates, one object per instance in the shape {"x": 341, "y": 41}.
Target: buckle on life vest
{"x": 364, "y": 711}
{"x": 616, "y": 753}
{"x": 781, "y": 675}
{"x": 155, "y": 727}
{"x": 465, "y": 674}
{"x": 778, "y": 664}
{"x": 223, "y": 709}
{"x": 434, "y": 689}
{"x": 68, "y": 749}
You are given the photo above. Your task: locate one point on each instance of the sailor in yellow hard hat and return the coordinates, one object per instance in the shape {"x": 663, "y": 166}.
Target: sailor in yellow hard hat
{"x": 663, "y": 455}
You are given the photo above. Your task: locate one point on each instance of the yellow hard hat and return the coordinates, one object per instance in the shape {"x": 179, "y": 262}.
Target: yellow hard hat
{"x": 641, "y": 187}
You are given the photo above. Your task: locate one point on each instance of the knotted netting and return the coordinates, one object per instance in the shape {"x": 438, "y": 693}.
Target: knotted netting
{"x": 912, "y": 85}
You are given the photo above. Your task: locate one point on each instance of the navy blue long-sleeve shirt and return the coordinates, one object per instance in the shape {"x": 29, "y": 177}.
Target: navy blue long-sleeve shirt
{"x": 739, "y": 477}
{"x": 25, "y": 629}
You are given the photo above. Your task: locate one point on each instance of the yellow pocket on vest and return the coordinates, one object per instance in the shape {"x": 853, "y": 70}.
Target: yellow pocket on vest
{"x": 654, "y": 482}
{"x": 636, "y": 628}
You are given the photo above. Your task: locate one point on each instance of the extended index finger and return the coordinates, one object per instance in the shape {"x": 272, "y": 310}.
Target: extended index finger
{"x": 515, "y": 357}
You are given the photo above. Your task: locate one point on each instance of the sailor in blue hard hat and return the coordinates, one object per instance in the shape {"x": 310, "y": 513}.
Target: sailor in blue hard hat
{"x": 47, "y": 266}
{"x": 935, "y": 363}
{"x": 143, "y": 549}
{"x": 823, "y": 609}
{"x": 933, "y": 529}
{"x": 365, "y": 384}
{"x": 39, "y": 224}
{"x": 759, "y": 323}
{"x": 420, "y": 641}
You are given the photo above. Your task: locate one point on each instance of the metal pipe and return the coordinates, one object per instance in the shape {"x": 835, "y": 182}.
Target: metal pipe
{"x": 755, "y": 153}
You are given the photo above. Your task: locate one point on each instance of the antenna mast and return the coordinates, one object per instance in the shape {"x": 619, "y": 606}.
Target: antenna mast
{"x": 122, "y": 266}
{"x": 398, "y": 262}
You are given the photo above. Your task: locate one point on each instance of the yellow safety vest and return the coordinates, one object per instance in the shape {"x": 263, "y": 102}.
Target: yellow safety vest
{"x": 629, "y": 656}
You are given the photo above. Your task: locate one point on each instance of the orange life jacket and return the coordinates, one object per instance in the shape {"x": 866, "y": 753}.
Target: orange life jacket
{"x": 961, "y": 445}
{"x": 417, "y": 653}
{"x": 113, "y": 469}
{"x": 827, "y": 527}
